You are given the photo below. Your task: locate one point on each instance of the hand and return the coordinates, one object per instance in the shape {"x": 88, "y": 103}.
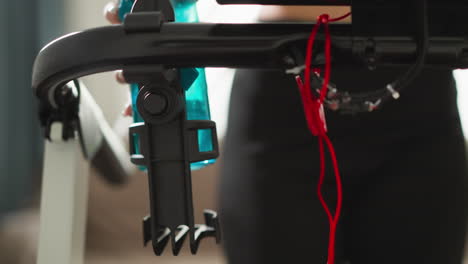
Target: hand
{"x": 111, "y": 13}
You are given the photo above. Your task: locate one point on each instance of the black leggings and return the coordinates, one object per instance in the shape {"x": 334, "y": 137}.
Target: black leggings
{"x": 403, "y": 170}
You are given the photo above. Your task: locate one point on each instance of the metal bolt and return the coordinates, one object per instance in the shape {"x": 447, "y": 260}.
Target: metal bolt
{"x": 155, "y": 104}
{"x": 395, "y": 94}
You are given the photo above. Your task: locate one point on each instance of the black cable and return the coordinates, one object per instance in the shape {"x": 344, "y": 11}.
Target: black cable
{"x": 423, "y": 46}
{"x": 370, "y": 101}
{"x": 346, "y": 102}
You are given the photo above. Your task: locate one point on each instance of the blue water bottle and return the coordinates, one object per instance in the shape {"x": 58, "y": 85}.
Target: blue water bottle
{"x": 193, "y": 81}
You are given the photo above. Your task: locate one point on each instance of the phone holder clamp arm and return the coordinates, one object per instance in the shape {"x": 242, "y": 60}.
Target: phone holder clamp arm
{"x": 168, "y": 143}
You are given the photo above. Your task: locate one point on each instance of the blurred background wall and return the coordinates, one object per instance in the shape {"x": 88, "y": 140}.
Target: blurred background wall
{"x": 26, "y": 25}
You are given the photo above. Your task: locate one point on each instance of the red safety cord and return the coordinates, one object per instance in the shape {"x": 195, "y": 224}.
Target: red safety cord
{"x": 315, "y": 117}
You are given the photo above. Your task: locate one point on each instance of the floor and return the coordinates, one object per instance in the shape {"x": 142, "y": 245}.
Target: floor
{"x": 207, "y": 255}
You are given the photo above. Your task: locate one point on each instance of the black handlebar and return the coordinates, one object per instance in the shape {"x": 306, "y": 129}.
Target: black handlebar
{"x": 222, "y": 45}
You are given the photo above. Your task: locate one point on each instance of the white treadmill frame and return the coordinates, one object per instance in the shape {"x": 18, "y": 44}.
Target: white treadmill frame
{"x": 63, "y": 201}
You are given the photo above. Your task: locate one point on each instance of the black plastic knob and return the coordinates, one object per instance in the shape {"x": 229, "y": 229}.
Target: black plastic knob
{"x": 155, "y": 104}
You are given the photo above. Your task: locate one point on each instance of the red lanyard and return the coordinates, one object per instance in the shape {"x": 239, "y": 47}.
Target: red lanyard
{"x": 315, "y": 117}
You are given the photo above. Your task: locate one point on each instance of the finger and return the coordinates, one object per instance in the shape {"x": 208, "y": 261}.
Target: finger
{"x": 128, "y": 110}
{"x": 111, "y": 12}
{"x": 120, "y": 77}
